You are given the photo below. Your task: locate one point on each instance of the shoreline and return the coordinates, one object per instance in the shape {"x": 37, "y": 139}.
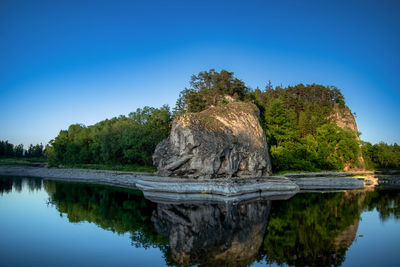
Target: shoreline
{"x": 184, "y": 190}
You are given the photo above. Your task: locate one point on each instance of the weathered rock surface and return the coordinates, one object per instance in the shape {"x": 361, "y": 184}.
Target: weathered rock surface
{"x": 213, "y": 235}
{"x": 227, "y": 190}
{"x": 344, "y": 118}
{"x": 324, "y": 183}
{"x": 225, "y": 141}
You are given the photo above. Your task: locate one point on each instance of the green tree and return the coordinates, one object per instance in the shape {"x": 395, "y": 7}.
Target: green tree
{"x": 208, "y": 88}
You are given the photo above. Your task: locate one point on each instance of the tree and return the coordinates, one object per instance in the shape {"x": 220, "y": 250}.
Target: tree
{"x": 120, "y": 140}
{"x": 19, "y": 151}
{"x": 208, "y": 88}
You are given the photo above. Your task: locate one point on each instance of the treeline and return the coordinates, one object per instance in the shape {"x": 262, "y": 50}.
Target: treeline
{"x": 123, "y": 140}
{"x": 381, "y": 156}
{"x": 301, "y": 132}
{"x": 10, "y": 150}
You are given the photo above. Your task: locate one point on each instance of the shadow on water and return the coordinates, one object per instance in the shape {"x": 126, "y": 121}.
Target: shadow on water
{"x": 310, "y": 229}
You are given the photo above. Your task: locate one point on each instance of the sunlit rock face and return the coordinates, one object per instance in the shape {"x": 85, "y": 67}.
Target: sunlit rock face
{"x": 225, "y": 141}
{"x": 344, "y": 118}
{"x": 213, "y": 235}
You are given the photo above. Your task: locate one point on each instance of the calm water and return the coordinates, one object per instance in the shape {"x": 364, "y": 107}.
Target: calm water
{"x": 45, "y": 223}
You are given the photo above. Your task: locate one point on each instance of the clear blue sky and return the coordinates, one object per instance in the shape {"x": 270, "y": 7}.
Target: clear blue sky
{"x": 64, "y": 62}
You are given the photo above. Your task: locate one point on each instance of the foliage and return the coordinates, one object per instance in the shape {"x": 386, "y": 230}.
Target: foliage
{"x": 299, "y": 132}
{"x": 9, "y": 150}
{"x": 209, "y": 88}
{"x": 381, "y": 156}
{"x": 35, "y": 151}
{"x": 119, "y": 141}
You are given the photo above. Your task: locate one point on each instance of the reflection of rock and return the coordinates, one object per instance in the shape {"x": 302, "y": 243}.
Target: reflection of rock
{"x": 213, "y": 235}
{"x": 225, "y": 141}
{"x": 347, "y": 236}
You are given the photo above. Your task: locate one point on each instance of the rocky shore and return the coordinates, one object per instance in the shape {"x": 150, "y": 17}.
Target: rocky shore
{"x": 180, "y": 189}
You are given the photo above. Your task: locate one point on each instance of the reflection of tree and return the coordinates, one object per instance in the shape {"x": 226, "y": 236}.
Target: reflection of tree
{"x": 310, "y": 229}
{"x": 385, "y": 200}
{"x": 302, "y": 230}
{"x": 114, "y": 209}
{"x": 8, "y": 183}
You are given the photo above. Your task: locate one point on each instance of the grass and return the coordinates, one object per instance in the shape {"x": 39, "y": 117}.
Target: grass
{"x": 128, "y": 168}
{"x": 23, "y": 161}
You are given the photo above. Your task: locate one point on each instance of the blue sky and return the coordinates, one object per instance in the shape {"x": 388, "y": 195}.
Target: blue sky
{"x": 64, "y": 62}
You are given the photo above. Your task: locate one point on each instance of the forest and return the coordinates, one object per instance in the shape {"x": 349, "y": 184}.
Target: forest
{"x": 8, "y": 150}
{"x": 301, "y": 134}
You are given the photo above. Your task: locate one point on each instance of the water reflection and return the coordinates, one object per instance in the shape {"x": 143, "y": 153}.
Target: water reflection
{"x": 213, "y": 234}
{"x": 114, "y": 209}
{"x": 8, "y": 184}
{"x": 310, "y": 229}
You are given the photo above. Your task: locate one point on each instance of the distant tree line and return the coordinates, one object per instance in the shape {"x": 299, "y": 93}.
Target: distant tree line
{"x": 300, "y": 131}
{"x": 10, "y": 150}
{"x": 381, "y": 156}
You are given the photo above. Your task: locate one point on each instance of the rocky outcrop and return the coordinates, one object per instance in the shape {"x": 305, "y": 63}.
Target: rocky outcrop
{"x": 225, "y": 141}
{"x": 344, "y": 118}
{"x": 213, "y": 235}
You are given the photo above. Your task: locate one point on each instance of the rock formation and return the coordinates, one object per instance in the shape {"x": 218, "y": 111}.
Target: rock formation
{"x": 213, "y": 234}
{"x": 343, "y": 118}
{"x": 223, "y": 141}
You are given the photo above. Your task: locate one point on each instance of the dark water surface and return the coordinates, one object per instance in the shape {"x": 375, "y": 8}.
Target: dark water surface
{"x": 46, "y": 223}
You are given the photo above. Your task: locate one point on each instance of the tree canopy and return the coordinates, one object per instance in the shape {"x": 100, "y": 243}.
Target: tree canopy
{"x": 121, "y": 140}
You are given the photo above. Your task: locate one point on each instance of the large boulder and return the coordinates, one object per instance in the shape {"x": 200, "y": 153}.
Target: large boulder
{"x": 225, "y": 141}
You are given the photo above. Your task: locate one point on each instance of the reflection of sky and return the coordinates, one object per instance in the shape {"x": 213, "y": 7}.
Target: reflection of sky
{"x": 64, "y": 62}
{"x": 30, "y": 227}
{"x": 379, "y": 245}
{"x": 33, "y": 232}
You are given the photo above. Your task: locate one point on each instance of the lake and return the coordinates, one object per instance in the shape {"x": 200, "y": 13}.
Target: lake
{"x": 47, "y": 223}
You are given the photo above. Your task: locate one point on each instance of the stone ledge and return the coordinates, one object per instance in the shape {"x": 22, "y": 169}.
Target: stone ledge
{"x": 183, "y": 189}
{"x": 328, "y": 183}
